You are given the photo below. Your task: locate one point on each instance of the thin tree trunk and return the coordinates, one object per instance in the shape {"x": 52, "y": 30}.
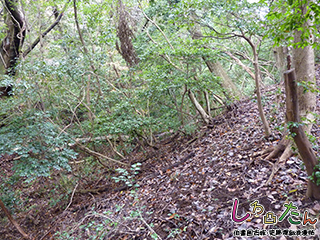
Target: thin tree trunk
{"x": 205, "y": 117}
{"x": 206, "y": 96}
{"x": 42, "y": 35}
{"x": 85, "y": 49}
{"x": 267, "y": 131}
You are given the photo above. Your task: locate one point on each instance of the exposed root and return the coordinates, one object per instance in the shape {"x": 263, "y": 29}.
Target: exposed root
{"x": 286, "y": 153}
{"x": 284, "y": 156}
{"x": 264, "y": 152}
{"x": 279, "y": 149}
{"x": 274, "y": 171}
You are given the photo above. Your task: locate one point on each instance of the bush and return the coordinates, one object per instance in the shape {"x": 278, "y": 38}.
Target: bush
{"x": 38, "y": 144}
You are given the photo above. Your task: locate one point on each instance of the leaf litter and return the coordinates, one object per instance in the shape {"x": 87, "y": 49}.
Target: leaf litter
{"x": 186, "y": 187}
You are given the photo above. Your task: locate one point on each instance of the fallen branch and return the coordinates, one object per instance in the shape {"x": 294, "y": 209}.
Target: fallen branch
{"x": 98, "y": 155}
{"x": 149, "y": 227}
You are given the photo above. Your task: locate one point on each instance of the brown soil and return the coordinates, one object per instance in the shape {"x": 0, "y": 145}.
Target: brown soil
{"x": 187, "y": 186}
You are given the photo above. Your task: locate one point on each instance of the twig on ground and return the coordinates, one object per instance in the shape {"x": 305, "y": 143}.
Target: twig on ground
{"x": 149, "y": 227}
{"x": 74, "y": 190}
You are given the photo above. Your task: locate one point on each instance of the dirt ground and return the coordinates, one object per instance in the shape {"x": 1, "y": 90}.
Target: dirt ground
{"x": 186, "y": 188}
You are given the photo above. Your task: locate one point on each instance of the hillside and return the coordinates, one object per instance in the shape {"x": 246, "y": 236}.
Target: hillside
{"x": 186, "y": 186}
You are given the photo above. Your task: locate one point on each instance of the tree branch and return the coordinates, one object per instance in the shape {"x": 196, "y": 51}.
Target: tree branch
{"x": 42, "y": 35}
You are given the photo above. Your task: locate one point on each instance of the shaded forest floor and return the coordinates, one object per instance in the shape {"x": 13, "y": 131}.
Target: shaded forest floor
{"x": 187, "y": 186}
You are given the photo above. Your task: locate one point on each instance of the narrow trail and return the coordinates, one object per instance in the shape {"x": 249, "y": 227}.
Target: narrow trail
{"x": 187, "y": 186}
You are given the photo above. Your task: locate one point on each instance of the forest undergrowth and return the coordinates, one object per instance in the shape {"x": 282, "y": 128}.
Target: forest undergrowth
{"x": 184, "y": 187}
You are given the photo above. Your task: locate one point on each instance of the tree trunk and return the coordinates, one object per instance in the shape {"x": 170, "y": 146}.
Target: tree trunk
{"x": 217, "y": 69}
{"x": 226, "y": 83}
{"x": 280, "y": 55}
{"x": 205, "y": 117}
{"x": 206, "y": 96}
{"x": 267, "y": 131}
{"x": 299, "y": 136}
{"x": 303, "y": 62}
{"x": 10, "y": 49}
{"x": 12, "y": 43}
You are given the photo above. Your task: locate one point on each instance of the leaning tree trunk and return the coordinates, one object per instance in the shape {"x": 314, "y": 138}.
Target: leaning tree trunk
{"x": 305, "y": 149}
{"x": 226, "y": 82}
{"x": 205, "y": 117}
{"x": 216, "y": 68}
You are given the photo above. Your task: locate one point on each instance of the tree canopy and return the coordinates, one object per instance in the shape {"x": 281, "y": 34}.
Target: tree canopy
{"x": 96, "y": 81}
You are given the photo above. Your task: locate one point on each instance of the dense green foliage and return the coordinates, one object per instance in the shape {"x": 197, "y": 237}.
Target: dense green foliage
{"x": 285, "y": 17}
{"x": 64, "y": 90}
{"x": 58, "y": 96}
